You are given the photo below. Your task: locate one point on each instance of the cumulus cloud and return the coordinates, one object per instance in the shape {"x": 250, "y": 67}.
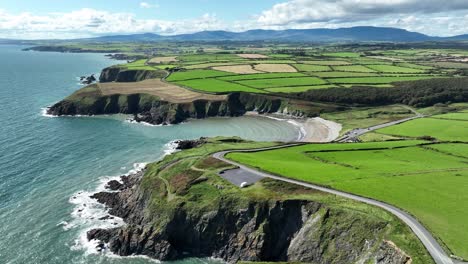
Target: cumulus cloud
{"x": 306, "y": 11}
{"x": 90, "y": 22}
{"x": 429, "y": 17}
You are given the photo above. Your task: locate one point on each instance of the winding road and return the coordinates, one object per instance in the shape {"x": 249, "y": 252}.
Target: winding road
{"x": 431, "y": 244}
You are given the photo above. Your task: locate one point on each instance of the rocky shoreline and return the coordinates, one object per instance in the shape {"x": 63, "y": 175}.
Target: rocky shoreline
{"x": 264, "y": 230}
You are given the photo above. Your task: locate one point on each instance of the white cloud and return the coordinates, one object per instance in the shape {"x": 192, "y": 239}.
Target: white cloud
{"x": 90, "y": 22}
{"x": 148, "y": 5}
{"x": 299, "y": 14}
{"x": 306, "y": 11}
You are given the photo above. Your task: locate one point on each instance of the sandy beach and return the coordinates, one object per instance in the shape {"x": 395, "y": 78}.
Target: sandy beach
{"x": 311, "y": 129}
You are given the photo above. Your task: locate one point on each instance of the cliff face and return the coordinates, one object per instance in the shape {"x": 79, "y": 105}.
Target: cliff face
{"x": 180, "y": 207}
{"x": 151, "y": 109}
{"x": 117, "y": 74}
{"x": 272, "y": 230}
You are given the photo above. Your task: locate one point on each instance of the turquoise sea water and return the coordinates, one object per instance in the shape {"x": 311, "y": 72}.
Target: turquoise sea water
{"x": 48, "y": 166}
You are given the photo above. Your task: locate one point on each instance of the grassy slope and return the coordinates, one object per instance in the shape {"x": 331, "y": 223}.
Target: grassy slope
{"x": 170, "y": 188}
{"x": 428, "y": 181}
{"x": 408, "y": 177}
{"x": 439, "y": 128}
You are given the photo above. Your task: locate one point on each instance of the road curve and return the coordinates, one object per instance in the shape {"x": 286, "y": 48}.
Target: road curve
{"x": 431, "y": 244}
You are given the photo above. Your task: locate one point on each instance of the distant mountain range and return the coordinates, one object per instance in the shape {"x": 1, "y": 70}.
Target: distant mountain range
{"x": 353, "y": 34}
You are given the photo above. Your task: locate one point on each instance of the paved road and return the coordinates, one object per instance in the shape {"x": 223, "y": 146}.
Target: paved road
{"x": 433, "y": 247}
{"x": 353, "y": 135}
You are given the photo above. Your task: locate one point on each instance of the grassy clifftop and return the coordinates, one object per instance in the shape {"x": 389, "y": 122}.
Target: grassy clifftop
{"x": 181, "y": 208}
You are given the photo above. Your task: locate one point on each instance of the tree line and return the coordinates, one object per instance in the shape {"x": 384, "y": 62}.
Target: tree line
{"x": 420, "y": 93}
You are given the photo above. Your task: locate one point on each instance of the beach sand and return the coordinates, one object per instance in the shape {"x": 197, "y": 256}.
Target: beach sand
{"x": 315, "y": 129}
{"x": 320, "y": 130}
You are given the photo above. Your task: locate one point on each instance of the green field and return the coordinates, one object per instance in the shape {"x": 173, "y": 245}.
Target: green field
{"x": 337, "y": 74}
{"x": 216, "y": 86}
{"x": 429, "y": 183}
{"x": 394, "y": 69}
{"x": 353, "y": 68}
{"x": 342, "y": 54}
{"x": 326, "y": 62}
{"x": 311, "y": 68}
{"x": 335, "y": 66}
{"x": 376, "y": 80}
{"x": 298, "y": 89}
{"x": 282, "y": 82}
{"x": 455, "y": 116}
{"x": 448, "y": 130}
{"x": 262, "y": 76}
{"x": 196, "y": 74}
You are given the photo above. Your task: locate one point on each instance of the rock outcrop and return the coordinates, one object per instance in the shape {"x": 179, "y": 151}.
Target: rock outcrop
{"x": 272, "y": 230}
{"x": 119, "y": 74}
{"x": 151, "y": 109}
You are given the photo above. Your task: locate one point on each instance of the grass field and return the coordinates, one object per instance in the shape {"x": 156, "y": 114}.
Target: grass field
{"x": 439, "y": 128}
{"x": 430, "y": 184}
{"x": 332, "y": 68}
{"x": 376, "y": 80}
{"x": 353, "y": 68}
{"x": 342, "y": 54}
{"x": 282, "y": 82}
{"x": 262, "y": 76}
{"x": 394, "y": 69}
{"x": 311, "y": 68}
{"x": 164, "y": 91}
{"x": 196, "y": 74}
{"x": 326, "y": 62}
{"x": 216, "y": 86}
{"x": 298, "y": 89}
{"x": 463, "y": 116}
{"x": 368, "y": 116}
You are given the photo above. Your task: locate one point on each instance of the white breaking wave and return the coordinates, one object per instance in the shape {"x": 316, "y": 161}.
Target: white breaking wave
{"x": 44, "y": 112}
{"x": 302, "y": 130}
{"x": 89, "y": 214}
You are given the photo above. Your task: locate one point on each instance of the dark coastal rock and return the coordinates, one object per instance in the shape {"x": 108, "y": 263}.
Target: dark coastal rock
{"x": 86, "y": 80}
{"x": 118, "y": 74}
{"x": 114, "y": 185}
{"x": 103, "y": 235}
{"x": 189, "y": 144}
{"x": 153, "y": 110}
{"x": 127, "y": 57}
{"x": 389, "y": 253}
{"x": 292, "y": 230}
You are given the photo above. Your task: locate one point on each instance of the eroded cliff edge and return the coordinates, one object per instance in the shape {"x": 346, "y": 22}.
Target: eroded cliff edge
{"x": 182, "y": 208}
{"x": 155, "y": 106}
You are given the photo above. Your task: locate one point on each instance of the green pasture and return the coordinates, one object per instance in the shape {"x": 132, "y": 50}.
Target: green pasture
{"x": 216, "y": 86}
{"x": 429, "y": 183}
{"x": 342, "y": 54}
{"x": 282, "y": 82}
{"x": 196, "y": 74}
{"x": 297, "y": 89}
{"x": 441, "y": 129}
{"x": 353, "y": 68}
{"x": 376, "y": 80}
{"x": 255, "y": 76}
{"x": 311, "y": 68}
{"x": 338, "y": 74}
{"x": 326, "y": 62}
{"x": 394, "y": 69}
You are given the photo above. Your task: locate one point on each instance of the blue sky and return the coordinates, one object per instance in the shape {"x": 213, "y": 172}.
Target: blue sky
{"x": 167, "y": 10}
{"x": 33, "y": 19}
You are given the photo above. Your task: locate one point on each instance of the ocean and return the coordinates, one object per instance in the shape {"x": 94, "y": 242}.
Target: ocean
{"x": 49, "y": 166}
